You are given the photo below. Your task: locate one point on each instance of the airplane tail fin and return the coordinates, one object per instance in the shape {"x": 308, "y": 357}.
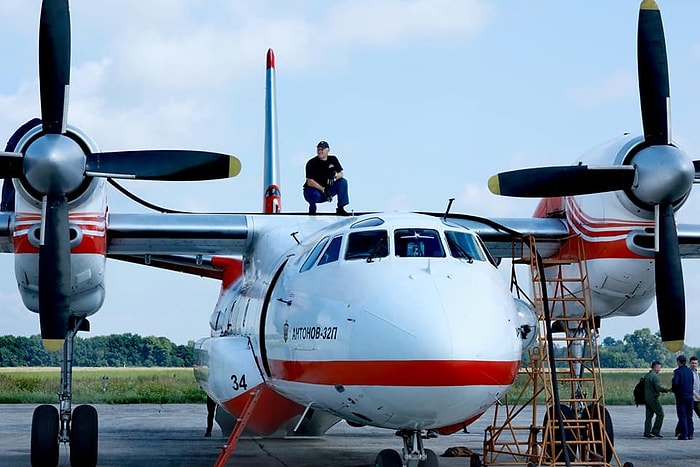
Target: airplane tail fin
{"x": 272, "y": 202}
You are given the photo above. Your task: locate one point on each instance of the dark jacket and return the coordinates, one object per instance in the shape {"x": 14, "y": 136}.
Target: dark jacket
{"x": 682, "y": 383}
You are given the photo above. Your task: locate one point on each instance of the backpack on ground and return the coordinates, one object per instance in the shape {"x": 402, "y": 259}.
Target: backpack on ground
{"x": 639, "y": 398}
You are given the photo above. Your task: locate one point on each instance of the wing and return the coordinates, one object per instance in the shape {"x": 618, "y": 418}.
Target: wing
{"x": 190, "y": 243}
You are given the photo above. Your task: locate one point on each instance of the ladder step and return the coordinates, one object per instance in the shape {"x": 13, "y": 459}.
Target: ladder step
{"x": 241, "y": 423}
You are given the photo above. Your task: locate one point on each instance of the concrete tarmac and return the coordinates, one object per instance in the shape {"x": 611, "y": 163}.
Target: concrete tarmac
{"x": 154, "y": 435}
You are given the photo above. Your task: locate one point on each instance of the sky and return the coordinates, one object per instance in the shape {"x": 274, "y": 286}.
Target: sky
{"x": 422, "y": 100}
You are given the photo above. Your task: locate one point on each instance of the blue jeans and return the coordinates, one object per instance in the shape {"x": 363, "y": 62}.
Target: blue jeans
{"x": 314, "y": 196}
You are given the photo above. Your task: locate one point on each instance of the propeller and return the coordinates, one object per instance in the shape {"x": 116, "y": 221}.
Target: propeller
{"x": 658, "y": 175}
{"x": 54, "y": 165}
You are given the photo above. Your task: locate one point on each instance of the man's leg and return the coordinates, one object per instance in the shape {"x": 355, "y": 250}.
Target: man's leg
{"x": 659, "y": 412}
{"x": 340, "y": 188}
{"x": 313, "y": 196}
{"x": 647, "y": 421}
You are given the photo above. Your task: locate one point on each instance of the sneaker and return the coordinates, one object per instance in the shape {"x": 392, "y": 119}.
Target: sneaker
{"x": 341, "y": 211}
{"x": 656, "y": 435}
{"x": 647, "y": 436}
{"x": 682, "y": 438}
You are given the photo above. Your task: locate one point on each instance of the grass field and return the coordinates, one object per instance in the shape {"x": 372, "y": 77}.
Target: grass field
{"x": 178, "y": 386}
{"x": 102, "y": 385}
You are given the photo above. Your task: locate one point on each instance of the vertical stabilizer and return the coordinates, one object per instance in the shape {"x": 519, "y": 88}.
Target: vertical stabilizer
{"x": 272, "y": 202}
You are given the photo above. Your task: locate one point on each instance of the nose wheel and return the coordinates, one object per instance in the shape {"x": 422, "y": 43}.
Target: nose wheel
{"x": 413, "y": 453}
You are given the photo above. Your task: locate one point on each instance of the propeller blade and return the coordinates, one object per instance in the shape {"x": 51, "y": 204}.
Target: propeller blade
{"x": 570, "y": 180}
{"x": 54, "y": 64}
{"x": 652, "y": 68}
{"x": 54, "y": 272}
{"x": 164, "y": 164}
{"x": 670, "y": 294}
{"x": 11, "y": 164}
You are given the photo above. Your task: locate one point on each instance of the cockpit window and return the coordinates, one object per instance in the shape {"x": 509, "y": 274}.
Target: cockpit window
{"x": 371, "y": 222}
{"x": 367, "y": 245}
{"x": 418, "y": 242}
{"x": 332, "y": 252}
{"x": 313, "y": 256}
{"x": 464, "y": 245}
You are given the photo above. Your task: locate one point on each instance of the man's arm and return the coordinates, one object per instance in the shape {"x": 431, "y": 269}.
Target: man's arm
{"x": 314, "y": 184}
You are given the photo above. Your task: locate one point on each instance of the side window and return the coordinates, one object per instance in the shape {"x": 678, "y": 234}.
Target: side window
{"x": 367, "y": 245}
{"x": 463, "y": 245}
{"x": 313, "y": 256}
{"x": 332, "y": 252}
{"x": 418, "y": 242}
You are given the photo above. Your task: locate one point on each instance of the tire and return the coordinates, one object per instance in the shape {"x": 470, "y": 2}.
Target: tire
{"x": 388, "y": 458}
{"x": 430, "y": 461}
{"x": 83, "y": 437}
{"x": 474, "y": 460}
{"x": 570, "y": 434}
{"x": 44, "y": 443}
{"x": 592, "y": 412}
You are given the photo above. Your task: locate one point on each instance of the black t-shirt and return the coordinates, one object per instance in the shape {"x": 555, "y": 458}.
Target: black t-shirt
{"x": 321, "y": 171}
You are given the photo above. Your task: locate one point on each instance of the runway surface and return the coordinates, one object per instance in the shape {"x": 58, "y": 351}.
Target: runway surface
{"x": 173, "y": 435}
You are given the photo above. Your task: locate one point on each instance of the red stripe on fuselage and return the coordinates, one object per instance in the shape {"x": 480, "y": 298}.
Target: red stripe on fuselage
{"x": 397, "y": 372}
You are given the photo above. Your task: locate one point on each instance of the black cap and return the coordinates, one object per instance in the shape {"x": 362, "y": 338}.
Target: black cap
{"x": 322, "y": 145}
{"x": 681, "y": 359}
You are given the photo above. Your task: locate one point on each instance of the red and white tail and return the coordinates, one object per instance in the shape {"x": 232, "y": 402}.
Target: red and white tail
{"x": 272, "y": 202}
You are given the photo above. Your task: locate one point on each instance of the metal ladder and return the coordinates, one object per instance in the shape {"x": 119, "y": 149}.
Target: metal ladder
{"x": 535, "y": 438}
{"x": 241, "y": 423}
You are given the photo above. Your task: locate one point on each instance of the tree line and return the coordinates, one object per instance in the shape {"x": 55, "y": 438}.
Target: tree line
{"x": 636, "y": 350}
{"x": 116, "y": 350}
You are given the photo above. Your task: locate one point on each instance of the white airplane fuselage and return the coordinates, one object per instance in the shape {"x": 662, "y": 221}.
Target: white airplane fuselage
{"x": 374, "y": 339}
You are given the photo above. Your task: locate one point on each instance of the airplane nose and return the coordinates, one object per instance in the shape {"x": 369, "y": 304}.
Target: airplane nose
{"x": 439, "y": 313}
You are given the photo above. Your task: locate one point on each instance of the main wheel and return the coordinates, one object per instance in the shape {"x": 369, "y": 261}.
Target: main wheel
{"x": 431, "y": 460}
{"x": 474, "y": 460}
{"x": 592, "y": 412}
{"x": 388, "y": 458}
{"x": 569, "y": 433}
{"x": 44, "y": 444}
{"x": 83, "y": 437}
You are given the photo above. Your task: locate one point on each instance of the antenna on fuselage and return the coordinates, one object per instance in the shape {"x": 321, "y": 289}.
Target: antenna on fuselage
{"x": 449, "y": 205}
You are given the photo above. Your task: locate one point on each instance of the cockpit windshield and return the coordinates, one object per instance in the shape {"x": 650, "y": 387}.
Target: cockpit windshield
{"x": 368, "y": 244}
{"x": 418, "y": 242}
{"x": 464, "y": 245}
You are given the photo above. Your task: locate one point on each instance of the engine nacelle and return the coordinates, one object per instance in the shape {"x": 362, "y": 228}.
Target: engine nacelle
{"x": 87, "y": 232}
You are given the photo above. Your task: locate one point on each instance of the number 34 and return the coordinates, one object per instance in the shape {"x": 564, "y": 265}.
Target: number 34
{"x": 238, "y": 382}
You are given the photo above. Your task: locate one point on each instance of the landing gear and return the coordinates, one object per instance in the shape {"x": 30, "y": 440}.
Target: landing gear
{"x": 51, "y": 426}
{"x": 45, "y": 436}
{"x": 413, "y": 453}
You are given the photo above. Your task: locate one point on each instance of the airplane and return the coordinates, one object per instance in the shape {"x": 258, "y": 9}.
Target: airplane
{"x": 386, "y": 319}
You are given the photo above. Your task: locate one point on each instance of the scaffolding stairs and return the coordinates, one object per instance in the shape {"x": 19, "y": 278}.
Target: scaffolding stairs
{"x": 526, "y": 429}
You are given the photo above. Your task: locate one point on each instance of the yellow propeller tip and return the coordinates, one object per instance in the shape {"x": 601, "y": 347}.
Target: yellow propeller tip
{"x": 53, "y": 345}
{"x": 648, "y": 5}
{"x": 494, "y": 186}
{"x": 674, "y": 346}
{"x": 234, "y": 167}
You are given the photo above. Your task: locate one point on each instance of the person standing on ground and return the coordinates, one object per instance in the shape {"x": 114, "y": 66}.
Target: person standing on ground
{"x": 324, "y": 179}
{"x": 682, "y": 386}
{"x": 696, "y": 385}
{"x": 652, "y": 390}
{"x": 211, "y": 410}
